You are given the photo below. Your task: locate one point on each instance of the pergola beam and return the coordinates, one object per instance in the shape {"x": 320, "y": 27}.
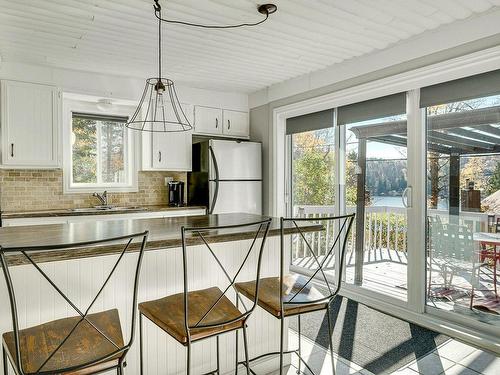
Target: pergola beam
{"x": 454, "y": 142}
{"x": 380, "y": 129}
{"x": 489, "y": 129}
{"x": 389, "y": 139}
{"x": 472, "y": 118}
{"x": 477, "y": 118}
{"x": 475, "y": 135}
{"x": 448, "y": 137}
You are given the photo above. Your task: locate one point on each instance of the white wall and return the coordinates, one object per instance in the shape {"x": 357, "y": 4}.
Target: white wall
{"x": 114, "y": 87}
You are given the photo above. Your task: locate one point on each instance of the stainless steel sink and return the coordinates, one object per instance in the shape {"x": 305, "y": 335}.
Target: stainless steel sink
{"x": 129, "y": 208}
{"x": 87, "y": 209}
{"x": 108, "y": 208}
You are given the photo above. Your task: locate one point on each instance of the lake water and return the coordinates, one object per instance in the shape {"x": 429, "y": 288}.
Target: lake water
{"x": 386, "y": 201}
{"x": 397, "y": 202}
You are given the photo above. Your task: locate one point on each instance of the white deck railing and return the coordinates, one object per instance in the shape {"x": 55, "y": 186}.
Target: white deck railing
{"x": 385, "y": 227}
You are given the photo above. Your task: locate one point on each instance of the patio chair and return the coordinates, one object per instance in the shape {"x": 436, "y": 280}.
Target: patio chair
{"x": 450, "y": 250}
{"x": 489, "y": 256}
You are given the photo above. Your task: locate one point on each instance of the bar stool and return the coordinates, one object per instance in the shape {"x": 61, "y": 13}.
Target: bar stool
{"x": 293, "y": 294}
{"x": 195, "y": 315}
{"x": 88, "y": 343}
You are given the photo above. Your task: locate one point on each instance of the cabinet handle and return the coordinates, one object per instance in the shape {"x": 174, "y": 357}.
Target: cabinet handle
{"x": 159, "y": 156}
{"x": 228, "y": 124}
{"x": 12, "y": 150}
{"x": 216, "y": 123}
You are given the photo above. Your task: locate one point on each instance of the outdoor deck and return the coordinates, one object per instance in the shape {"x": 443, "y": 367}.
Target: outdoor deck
{"x": 385, "y": 262}
{"x": 385, "y": 271}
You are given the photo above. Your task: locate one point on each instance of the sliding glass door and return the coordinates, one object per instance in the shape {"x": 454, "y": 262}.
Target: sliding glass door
{"x": 355, "y": 162}
{"x": 421, "y": 170}
{"x": 463, "y": 198}
{"x": 312, "y": 181}
{"x": 376, "y": 171}
{"x": 376, "y": 181}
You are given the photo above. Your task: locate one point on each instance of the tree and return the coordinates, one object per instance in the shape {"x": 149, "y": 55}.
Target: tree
{"x": 313, "y": 170}
{"x": 351, "y": 178}
{"x": 84, "y": 150}
{"x": 473, "y": 170}
{"x": 494, "y": 182}
{"x": 438, "y": 170}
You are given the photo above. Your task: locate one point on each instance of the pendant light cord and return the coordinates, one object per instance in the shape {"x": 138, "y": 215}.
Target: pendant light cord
{"x": 158, "y": 11}
{"x": 157, "y": 8}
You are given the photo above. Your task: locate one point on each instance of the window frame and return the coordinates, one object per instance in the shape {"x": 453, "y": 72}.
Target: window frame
{"x": 71, "y": 106}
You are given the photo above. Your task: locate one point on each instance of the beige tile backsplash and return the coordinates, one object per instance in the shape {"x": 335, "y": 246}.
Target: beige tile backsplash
{"x": 27, "y": 190}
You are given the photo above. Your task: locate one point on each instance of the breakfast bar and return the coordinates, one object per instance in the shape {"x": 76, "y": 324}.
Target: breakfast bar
{"x": 161, "y": 275}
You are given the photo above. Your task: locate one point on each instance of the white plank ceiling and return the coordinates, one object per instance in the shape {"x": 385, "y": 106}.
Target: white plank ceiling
{"x": 119, "y": 36}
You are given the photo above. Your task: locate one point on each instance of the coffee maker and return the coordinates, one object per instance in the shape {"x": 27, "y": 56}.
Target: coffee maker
{"x": 176, "y": 193}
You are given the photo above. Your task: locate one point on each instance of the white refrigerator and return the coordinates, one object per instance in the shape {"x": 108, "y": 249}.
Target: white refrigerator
{"x": 227, "y": 176}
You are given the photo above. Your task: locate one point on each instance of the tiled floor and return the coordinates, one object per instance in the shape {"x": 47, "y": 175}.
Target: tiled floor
{"x": 452, "y": 357}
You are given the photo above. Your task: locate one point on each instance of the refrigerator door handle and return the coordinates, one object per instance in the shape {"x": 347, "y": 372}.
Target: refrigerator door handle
{"x": 216, "y": 192}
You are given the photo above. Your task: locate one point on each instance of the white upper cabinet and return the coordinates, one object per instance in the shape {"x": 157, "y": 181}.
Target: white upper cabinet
{"x": 172, "y": 151}
{"x": 235, "y": 123}
{"x": 208, "y": 120}
{"x": 30, "y": 118}
{"x": 221, "y": 122}
{"x": 168, "y": 151}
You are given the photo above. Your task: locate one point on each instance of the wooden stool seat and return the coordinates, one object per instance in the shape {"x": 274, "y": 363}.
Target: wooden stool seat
{"x": 84, "y": 345}
{"x": 269, "y": 295}
{"x": 168, "y": 314}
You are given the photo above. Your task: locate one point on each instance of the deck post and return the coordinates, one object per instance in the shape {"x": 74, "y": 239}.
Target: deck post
{"x": 454, "y": 187}
{"x": 360, "y": 212}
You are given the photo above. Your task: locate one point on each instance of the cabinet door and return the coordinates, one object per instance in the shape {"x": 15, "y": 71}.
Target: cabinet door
{"x": 207, "y": 120}
{"x": 236, "y": 123}
{"x": 172, "y": 151}
{"x": 30, "y": 124}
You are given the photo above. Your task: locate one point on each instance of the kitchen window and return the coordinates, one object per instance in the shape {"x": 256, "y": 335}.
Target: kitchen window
{"x": 99, "y": 152}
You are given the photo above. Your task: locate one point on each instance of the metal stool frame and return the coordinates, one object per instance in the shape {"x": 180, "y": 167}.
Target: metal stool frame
{"x": 343, "y": 230}
{"x": 263, "y": 229}
{"x": 25, "y": 251}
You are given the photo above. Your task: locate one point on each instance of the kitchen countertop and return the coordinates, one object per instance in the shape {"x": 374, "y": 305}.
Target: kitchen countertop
{"x": 163, "y": 233}
{"x": 69, "y": 212}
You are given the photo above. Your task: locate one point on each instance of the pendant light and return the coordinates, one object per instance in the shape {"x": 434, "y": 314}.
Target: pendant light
{"x": 159, "y": 109}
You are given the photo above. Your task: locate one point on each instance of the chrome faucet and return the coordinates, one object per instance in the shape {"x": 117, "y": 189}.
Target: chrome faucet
{"x": 103, "y": 198}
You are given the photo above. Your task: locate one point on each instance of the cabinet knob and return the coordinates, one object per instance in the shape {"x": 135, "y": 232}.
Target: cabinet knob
{"x": 12, "y": 150}
{"x": 216, "y": 123}
{"x": 159, "y": 156}
{"x": 228, "y": 124}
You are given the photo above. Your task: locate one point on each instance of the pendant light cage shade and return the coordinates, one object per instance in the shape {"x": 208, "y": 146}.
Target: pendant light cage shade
{"x": 159, "y": 109}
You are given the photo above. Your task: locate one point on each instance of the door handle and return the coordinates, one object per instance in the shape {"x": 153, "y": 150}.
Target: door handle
{"x": 159, "y": 156}
{"x": 216, "y": 123}
{"x": 406, "y": 197}
{"x": 228, "y": 124}
{"x": 12, "y": 150}
{"x": 216, "y": 192}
